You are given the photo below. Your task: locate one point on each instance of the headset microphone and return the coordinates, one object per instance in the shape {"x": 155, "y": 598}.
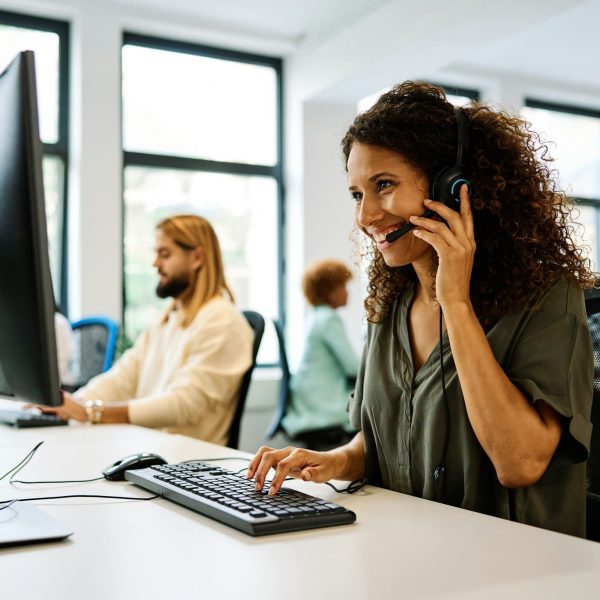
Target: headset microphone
{"x": 394, "y": 235}
{"x": 447, "y": 183}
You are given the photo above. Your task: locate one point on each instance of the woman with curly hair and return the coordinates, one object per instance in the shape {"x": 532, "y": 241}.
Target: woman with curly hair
{"x": 320, "y": 389}
{"x": 476, "y": 380}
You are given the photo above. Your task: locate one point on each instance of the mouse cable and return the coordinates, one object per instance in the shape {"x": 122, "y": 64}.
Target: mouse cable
{"x": 352, "y": 488}
{"x": 59, "y": 481}
{"x": 24, "y": 463}
{"x": 8, "y": 503}
{"x": 31, "y": 454}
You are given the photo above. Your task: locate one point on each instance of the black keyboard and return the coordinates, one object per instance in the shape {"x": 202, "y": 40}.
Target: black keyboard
{"x": 231, "y": 499}
{"x": 24, "y": 418}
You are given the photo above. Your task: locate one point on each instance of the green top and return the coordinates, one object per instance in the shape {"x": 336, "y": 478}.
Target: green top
{"x": 547, "y": 354}
{"x": 320, "y": 388}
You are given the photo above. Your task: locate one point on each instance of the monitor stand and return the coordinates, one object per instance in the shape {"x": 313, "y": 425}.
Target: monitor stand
{"x": 22, "y": 523}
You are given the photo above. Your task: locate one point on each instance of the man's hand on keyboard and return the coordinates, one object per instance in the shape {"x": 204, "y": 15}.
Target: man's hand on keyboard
{"x": 71, "y": 408}
{"x": 297, "y": 462}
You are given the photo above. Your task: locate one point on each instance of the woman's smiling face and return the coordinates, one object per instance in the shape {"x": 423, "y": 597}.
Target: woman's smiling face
{"x": 387, "y": 191}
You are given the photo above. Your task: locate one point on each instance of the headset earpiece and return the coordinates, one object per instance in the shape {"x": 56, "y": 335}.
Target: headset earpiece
{"x": 446, "y": 186}
{"x": 447, "y": 183}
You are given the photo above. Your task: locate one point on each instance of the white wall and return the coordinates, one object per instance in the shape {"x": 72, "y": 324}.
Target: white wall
{"x": 325, "y": 210}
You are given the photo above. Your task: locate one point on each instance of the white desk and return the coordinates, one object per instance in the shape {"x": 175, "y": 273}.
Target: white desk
{"x": 400, "y": 547}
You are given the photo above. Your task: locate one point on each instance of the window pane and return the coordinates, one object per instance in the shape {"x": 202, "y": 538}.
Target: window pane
{"x": 458, "y": 100}
{"x": 45, "y": 46}
{"x": 54, "y": 168}
{"x": 575, "y": 147}
{"x": 185, "y": 105}
{"x": 243, "y": 211}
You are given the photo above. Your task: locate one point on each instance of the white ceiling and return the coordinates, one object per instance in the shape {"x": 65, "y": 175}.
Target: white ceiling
{"x": 563, "y": 49}
{"x": 293, "y": 21}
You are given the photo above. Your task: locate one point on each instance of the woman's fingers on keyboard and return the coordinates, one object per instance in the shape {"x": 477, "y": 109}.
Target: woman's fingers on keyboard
{"x": 297, "y": 462}
{"x": 269, "y": 459}
{"x": 256, "y": 461}
{"x": 284, "y": 468}
{"x": 294, "y": 465}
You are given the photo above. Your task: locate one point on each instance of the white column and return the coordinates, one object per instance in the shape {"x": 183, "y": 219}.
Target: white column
{"x": 320, "y": 201}
{"x": 95, "y": 183}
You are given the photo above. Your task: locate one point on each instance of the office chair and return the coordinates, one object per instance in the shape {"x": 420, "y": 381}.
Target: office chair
{"x": 257, "y": 323}
{"x": 592, "y": 307}
{"x": 96, "y": 339}
{"x": 317, "y": 439}
{"x": 284, "y": 388}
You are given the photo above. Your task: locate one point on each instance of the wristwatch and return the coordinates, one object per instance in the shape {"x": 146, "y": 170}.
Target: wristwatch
{"x": 94, "y": 409}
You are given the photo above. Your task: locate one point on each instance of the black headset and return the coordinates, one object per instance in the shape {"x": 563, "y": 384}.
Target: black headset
{"x": 447, "y": 183}
{"x": 446, "y": 188}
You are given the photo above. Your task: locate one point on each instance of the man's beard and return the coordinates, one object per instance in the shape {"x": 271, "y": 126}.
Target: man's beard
{"x": 173, "y": 287}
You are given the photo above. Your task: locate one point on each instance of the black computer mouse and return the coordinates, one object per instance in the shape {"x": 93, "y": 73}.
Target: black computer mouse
{"x": 116, "y": 471}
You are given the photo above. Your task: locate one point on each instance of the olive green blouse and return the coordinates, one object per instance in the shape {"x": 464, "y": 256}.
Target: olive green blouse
{"x": 546, "y": 352}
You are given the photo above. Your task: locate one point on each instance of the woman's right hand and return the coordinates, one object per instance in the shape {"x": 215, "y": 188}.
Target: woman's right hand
{"x": 307, "y": 465}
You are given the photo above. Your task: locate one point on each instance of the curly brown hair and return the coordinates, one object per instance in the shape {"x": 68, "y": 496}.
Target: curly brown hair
{"x": 321, "y": 278}
{"x": 523, "y": 223}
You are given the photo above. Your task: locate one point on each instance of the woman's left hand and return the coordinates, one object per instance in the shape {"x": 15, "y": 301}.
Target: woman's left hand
{"x": 71, "y": 408}
{"x": 454, "y": 242}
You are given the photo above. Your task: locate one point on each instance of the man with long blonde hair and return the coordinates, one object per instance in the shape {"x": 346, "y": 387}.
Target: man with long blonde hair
{"x": 183, "y": 374}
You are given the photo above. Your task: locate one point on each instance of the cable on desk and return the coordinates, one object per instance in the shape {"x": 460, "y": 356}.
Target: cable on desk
{"x": 58, "y": 481}
{"x": 353, "y": 486}
{"x": 10, "y": 502}
{"x": 23, "y": 462}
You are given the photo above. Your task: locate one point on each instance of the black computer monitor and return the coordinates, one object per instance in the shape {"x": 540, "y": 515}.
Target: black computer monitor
{"x": 27, "y": 338}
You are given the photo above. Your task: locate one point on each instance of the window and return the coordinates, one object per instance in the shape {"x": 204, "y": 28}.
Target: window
{"x": 574, "y": 136}
{"x": 49, "y": 40}
{"x": 202, "y": 134}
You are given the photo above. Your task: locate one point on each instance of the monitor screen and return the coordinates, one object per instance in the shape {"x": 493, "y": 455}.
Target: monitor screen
{"x": 27, "y": 339}
{"x": 4, "y": 387}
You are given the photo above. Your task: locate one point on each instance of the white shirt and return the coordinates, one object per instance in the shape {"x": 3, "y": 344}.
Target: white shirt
{"x": 183, "y": 379}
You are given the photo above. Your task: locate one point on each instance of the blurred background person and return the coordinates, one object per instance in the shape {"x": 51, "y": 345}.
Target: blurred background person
{"x": 321, "y": 387}
{"x": 183, "y": 374}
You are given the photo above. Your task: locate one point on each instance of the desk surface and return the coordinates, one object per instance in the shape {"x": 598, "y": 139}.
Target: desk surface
{"x": 400, "y": 546}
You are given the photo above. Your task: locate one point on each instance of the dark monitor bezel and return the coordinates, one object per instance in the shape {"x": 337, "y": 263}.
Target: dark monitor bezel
{"x": 27, "y": 338}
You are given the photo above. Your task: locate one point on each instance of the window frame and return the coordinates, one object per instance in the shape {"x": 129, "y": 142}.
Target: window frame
{"x": 581, "y": 111}
{"x": 59, "y": 149}
{"x": 473, "y": 94}
{"x": 143, "y": 159}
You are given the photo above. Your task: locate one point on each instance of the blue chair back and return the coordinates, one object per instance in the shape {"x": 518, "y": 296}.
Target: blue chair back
{"x": 97, "y": 341}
